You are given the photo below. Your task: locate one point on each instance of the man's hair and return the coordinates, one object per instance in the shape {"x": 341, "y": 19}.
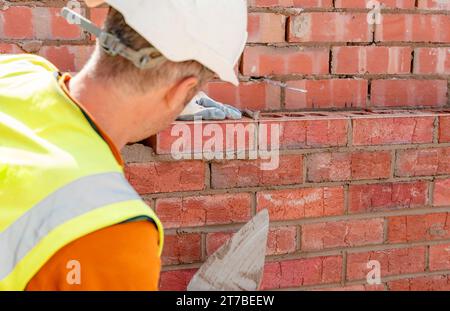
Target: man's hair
{"x": 123, "y": 72}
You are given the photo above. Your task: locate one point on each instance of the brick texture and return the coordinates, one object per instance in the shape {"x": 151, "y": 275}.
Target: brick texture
{"x": 268, "y": 61}
{"x": 427, "y": 283}
{"x": 295, "y": 273}
{"x": 335, "y": 54}
{"x": 392, "y": 262}
{"x": 204, "y": 210}
{"x": 371, "y": 59}
{"x": 395, "y": 93}
{"x": 235, "y": 174}
{"x": 387, "y": 196}
{"x": 441, "y": 195}
{"x": 327, "y": 93}
{"x": 166, "y": 176}
{"x": 418, "y": 228}
{"x": 342, "y": 234}
{"x": 302, "y": 203}
{"x": 413, "y": 162}
{"x": 393, "y": 131}
{"x": 413, "y": 28}
{"x": 349, "y": 166}
{"x": 335, "y": 190}
{"x": 444, "y": 129}
{"x": 266, "y": 27}
{"x": 329, "y": 27}
{"x": 281, "y": 240}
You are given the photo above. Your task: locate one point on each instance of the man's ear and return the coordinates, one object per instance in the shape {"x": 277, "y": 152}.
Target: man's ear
{"x": 179, "y": 95}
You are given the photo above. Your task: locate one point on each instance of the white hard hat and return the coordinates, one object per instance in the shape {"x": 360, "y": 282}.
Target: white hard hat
{"x": 212, "y": 32}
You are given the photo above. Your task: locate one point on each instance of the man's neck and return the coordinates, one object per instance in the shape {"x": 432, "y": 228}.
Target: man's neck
{"x": 103, "y": 104}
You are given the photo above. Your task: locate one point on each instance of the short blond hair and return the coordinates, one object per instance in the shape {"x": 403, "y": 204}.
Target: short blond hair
{"x": 120, "y": 70}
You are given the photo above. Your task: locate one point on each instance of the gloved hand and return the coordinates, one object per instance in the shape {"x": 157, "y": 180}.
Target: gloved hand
{"x": 202, "y": 106}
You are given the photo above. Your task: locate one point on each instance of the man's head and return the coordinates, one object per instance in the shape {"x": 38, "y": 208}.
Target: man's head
{"x": 159, "y": 92}
{"x": 195, "y": 43}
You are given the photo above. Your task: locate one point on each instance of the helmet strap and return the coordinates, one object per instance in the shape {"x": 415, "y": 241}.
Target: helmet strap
{"x": 143, "y": 59}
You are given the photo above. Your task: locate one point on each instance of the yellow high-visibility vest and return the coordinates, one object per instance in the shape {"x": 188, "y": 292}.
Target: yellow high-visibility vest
{"x": 59, "y": 180}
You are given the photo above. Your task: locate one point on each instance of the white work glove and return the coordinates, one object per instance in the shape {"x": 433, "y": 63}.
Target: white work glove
{"x": 202, "y": 106}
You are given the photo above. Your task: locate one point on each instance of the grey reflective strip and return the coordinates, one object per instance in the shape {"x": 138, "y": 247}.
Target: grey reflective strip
{"x": 72, "y": 200}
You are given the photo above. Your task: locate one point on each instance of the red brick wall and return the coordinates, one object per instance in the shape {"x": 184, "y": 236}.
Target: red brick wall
{"x": 326, "y": 47}
{"x": 350, "y": 187}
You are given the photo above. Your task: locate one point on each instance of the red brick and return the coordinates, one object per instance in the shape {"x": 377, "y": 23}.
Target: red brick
{"x": 441, "y": 196}
{"x": 67, "y": 58}
{"x": 48, "y": 24}
{"x": 392, "y": 262}
{"x": 292, "y": 3}
{"x": 400, "y": 93}
{"x": 236, "y": 174}
{"x": 209, "y": 138}
{"x": 98, "y": 16}
{"x": 251, "y": 95}
{"x": 440, "y": 257}
{"x": 182, "y": 248}
{"x": 432, "y": 60}
{"x": 353, "y": 288}
{"x": 389, "y": 196}
{"x": 291, "y": 204}
{"x": 413, "y": 28}
{"x": 266, "y": 27}
{"x": 423, "y": 162}
{"x": 328, "y": 93}
{"x": 368, "y": 165}
{"x": 329, "y": 167}
{"x": 398, "y": 130}
{"x": 300, "y": 132}
{"x": 329, "y": 27}
{"x": 302, "y": 272}
{"x": 60, "y": 56}
{"x": 281, "y": 240}
{"x": 6, "y": 48}
{"x": 159, "y": 177}
{"x": 414, "y": 228}
{"x": 444, "y": 129}
{"x": 17, "y": 23}
{"x": 61, "y": 29}
{"x": 348, "y": 166}
{"x": 425, "y": 283}
{"x": 319, "y": 133}
{"x": 371, "y": 59}
{"x": 349, "y": 233}
{"x": 406, "y": 4}
{"x": 204, "y": 210}
{"x": 267, "y": 61}
{"x": 433, "y": 5}
{"x": 176, "y": 280}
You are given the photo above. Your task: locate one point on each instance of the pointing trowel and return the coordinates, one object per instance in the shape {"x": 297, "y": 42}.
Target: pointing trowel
{"x": 238, "y": 265}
